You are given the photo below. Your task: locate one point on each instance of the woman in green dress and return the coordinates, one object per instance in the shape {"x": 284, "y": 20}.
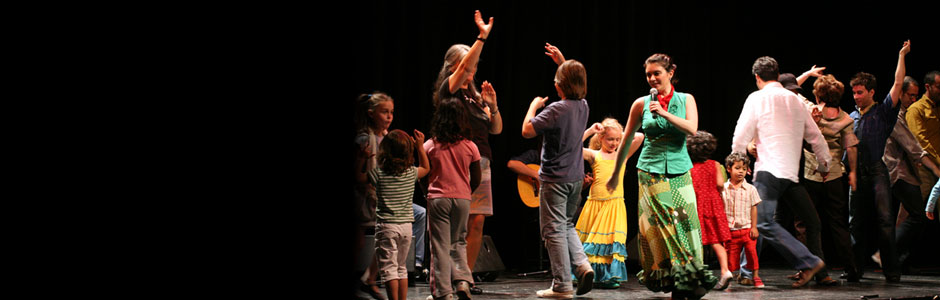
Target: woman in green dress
{"x": 669, "y": 236}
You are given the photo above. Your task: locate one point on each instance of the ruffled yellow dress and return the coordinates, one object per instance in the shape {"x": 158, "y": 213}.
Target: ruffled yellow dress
{"x": 602, "y": 226}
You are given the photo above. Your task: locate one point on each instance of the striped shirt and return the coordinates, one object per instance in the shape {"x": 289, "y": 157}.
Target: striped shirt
{"x": 395, "y": 193}
{"x": 738, "y": 202}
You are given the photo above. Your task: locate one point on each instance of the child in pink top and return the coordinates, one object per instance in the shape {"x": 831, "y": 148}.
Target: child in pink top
{"x": 455, "y": 172}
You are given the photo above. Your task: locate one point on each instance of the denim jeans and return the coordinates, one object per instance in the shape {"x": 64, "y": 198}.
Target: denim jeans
{"x": 558, "y": 205}
{"x": 771, "y": 189}
{"x": 418, "y": 230}
{"x": 871, "y": 217}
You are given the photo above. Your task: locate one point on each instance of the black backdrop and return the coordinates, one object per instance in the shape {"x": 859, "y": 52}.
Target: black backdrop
{"x": 398, "y": 49}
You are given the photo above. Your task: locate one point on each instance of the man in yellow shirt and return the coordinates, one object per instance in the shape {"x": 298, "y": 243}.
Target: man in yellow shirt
{"x": 923, "y": 118}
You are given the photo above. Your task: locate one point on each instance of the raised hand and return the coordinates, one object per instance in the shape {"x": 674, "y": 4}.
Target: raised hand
{"x": 815, "y": 72}
{"x": 538, "y": 102}
{"x": 488, "y": 94}
{"x": 419, "y": 139}
{"x": 597, "y": 127}
{"x": 484, "y": 27}
{"x": 906, "y": 48}
{"x": 554, "y": 53}
{"x": 817, "y": 113}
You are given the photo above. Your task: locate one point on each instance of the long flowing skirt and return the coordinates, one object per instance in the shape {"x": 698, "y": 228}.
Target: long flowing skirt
{"x": 669, "y": 235}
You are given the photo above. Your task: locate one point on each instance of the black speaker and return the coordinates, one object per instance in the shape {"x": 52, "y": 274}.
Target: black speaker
{"x": 368, "y": 249}
{"x": 488, "y": 264}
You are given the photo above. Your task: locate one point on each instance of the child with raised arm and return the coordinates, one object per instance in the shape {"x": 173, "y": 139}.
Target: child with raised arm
{"x": 741, "y": 199}
{"x": 602, "y": 226}
{"x": 394, "y": 180}
{"x": 455, "y": 172}
{"x": 562, "y": 125}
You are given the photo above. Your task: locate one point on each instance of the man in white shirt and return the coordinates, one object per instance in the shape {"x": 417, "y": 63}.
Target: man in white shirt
{"x": 777, "y": 121}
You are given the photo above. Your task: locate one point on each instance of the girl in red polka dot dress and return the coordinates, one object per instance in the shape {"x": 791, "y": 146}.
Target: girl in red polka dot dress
{"x": 708, "y": 178}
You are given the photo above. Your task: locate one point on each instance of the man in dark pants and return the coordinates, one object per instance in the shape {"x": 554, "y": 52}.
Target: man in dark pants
{"x": 870, "y": 205}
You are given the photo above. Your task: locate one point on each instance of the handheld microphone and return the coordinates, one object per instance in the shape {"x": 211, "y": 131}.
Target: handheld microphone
{"x": 653, "y": 93}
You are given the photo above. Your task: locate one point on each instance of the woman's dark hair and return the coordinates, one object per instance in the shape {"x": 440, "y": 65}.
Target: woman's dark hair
{"x": 828, "y": 90}
{"x": 397, "y": 152}
{"x": 666, "y": 62}
{"x": 449, "y": 123}
{"x": 701, "y": 145}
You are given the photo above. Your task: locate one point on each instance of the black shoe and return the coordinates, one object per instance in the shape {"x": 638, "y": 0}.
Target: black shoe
{"x": 851, "y": 276}
{"x": 476, "y": 290}
{"x": 679, "y": 295}
{"x": 698, "y": 293}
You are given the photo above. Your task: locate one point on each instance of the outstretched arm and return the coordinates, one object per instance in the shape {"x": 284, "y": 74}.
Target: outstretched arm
{"x": 814, "y": 72}
{"x": 468, "y": 65}
{"x": 633, "y": 123}
{"x": 899, "y": 75}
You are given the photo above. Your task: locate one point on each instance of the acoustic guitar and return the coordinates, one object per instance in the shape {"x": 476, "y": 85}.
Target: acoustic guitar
{"x": 528, "y": 191}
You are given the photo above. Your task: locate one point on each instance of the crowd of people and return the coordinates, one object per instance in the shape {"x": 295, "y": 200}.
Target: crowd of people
{"x": 803, "y": 151}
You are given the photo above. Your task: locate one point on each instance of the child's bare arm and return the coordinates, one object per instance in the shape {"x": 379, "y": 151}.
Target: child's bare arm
{"x": 528, "y": 131}
{"x": 754, "y": 233}
{"x": 424, "y": 166}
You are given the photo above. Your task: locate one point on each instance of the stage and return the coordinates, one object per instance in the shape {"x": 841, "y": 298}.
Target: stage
{"x": 872, "y": 286}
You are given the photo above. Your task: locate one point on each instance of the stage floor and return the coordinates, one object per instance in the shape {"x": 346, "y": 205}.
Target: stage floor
{"x": 873, "y": 285}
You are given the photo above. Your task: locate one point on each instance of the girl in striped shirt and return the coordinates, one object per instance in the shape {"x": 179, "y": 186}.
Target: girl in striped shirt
{"x": 394, "y": 179}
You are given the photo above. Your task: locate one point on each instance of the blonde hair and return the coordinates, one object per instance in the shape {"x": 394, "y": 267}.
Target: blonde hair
{"x": 597, "y": 138}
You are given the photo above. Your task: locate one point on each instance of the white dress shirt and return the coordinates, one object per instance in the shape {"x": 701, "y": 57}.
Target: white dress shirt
{"x": 778, "y": 122}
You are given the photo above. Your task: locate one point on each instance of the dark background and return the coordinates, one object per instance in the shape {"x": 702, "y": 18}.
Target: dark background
{"x": 398, "y": 48}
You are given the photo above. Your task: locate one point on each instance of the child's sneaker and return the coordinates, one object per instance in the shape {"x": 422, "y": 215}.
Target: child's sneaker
{"x": 758, "y": 283}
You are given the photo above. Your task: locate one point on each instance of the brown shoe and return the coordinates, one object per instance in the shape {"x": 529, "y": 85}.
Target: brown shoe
{"x": 796, "y": 276}
{"x": 745, "y": 281}
{"x": 807, "y": 275}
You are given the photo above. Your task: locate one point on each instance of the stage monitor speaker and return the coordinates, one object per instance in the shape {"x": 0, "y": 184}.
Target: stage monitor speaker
{"x": 488, "y": 264}
{"x": 368, "y": 249}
